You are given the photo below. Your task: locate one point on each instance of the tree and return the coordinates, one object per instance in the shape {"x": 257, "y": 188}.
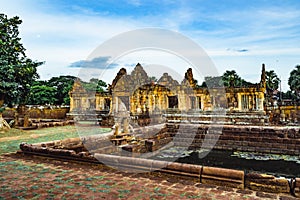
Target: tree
{"x": 272, "y": 80}
{"x": 212, "y": 82}
{"x": 272, "y": 83}
{"x": 94, "y": 85}
{"x": 17, "y": 72}
{"x": 231, "y": 78}
{"x": 288, "y": 95}
{"x": 101, "y": 85}
{"x": 153, "y": 79}
{"x": 294, "y": 81}
{"x": 62, "y": 84}
{"x": 41, "y": 94}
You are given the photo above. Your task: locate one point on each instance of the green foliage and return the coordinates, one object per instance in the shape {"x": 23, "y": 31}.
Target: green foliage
{"x": 94, "y": 85}
{"x": 42, "y": 94}
{"x": 17, "y": 72}
{"x": 54, "y": 91}
{"x": 288, "y": 95}
{"x": 272, "y": 80}
{"x": 229, "y": 78}
{"x": 62, "y": 84}
{"x": 153, "y": 78}
{"x": 211, "y": 82}
{"x": 272, "y": 83}
{"x": 294, "y": 81}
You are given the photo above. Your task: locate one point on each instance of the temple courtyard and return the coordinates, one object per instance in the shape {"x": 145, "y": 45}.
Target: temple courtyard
{"x": 32, "y": 177}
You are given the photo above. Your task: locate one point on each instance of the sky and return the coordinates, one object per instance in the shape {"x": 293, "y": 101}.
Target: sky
{"x": 236, "y": 35}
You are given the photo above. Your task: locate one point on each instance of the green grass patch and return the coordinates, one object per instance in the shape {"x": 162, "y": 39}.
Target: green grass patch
{"x": 124, "y": 191}
{"x": 70, "y": 186}
{"x": 48, "y": 134}
{"x": 44, "y": 135}
{"x": 104, "y": 191}
{"x": 34, "y": 187}
{"x": 99, "y": 177}
{"x": 104, "y": 186}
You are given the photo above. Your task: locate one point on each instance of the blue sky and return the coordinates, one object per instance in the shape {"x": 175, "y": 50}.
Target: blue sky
{"x": 239, "y": 35}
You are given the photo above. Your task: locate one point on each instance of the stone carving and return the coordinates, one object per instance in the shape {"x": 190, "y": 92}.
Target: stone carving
{"x": 189, "y": 79}
{"x": 167, "y": 81}
{"x": 121, "y": 73}
{"x": 142, "y": 96}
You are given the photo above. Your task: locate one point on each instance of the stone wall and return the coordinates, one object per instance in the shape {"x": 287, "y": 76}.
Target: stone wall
{"x": 37, "y": 117}
{"x": 222, "y": 117}
{"x": 72, "y": 149}
{"x": 284, "y": 114}
{"x": 277, "y": 140}
{"x": 36, "y": 112}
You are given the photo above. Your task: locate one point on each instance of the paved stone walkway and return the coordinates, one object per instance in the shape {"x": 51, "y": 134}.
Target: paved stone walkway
{"x": 29, "y": 177}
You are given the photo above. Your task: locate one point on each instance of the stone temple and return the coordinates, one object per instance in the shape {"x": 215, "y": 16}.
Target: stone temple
{"x": 152, "y": 119}
{"x": 138, "y": 95}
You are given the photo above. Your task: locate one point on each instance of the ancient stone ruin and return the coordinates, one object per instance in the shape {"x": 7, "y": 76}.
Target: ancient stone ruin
{"x": 148, "y": 117}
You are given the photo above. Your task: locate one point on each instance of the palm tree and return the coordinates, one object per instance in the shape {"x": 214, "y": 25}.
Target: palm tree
{"x": 231, "y": 78}
{"x": 294, "y": 81}
{"x": 272, "y": 80}
{"x": 272, "y": 83}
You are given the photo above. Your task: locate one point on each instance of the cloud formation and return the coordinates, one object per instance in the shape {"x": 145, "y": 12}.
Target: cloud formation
{"x": 97, "y": 63}
{"x": 62, "y": 32}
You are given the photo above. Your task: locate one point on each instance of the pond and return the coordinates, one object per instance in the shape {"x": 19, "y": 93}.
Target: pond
{"x": 278, "y": 165}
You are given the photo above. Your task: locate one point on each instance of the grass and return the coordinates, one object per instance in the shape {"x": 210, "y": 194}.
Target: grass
{"x": 14, "y": 137}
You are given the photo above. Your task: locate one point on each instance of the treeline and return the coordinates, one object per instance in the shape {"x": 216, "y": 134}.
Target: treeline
{"x": 230, "y": 77}
{"x": 55, "y": 91}
{"x": 272, "y": 84}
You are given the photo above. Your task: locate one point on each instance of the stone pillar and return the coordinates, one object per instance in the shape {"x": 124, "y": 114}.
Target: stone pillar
{"x": 26, "y": 120}
{"x": 164, "y": 102}
{"x": 71, "y": 103}
{"x": 250, "y": 102}
{"x": 117, "y": 104}
{"x": 116, "y": 128}
{"x": 181, "y": 101}
{"x": 99, "y": 105}
{"x": 239, "y": 101}
{"x": 261, "y": 102}
{"x": 126, "y": 125}
{"x": 111, "y": 106}
{"x": 16, "y": 118}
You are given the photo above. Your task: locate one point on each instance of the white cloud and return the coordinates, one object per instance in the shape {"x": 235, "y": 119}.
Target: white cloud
{"x": 63, "y": 38}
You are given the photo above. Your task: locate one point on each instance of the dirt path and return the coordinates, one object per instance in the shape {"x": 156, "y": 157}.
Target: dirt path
{"x": 22, "y": 137}
{"x": 30, "y": 177}
{"x": 31, "y": 134}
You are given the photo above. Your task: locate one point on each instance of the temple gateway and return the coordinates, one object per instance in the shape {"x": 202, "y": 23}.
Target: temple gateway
{"x": 137, "y": 94}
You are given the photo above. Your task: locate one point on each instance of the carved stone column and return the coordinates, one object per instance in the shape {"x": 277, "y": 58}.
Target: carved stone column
{"x": 239, "y": 101}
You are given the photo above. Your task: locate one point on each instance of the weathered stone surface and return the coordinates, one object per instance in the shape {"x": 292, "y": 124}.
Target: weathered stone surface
{"x": 266, "y": 183}
{"x": 223, "y": 177}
